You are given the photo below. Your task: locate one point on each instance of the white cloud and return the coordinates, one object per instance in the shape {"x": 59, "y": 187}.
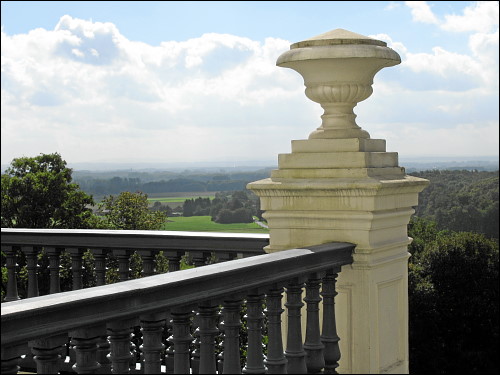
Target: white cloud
{"x": 77, "y": 52}
{"x": 397, "y": 46}
{"x": 88, "y": 92}
{"x": 442, "y": 62}
{"x": 481, "y": 17}
{"x": 83, "y": 86}
{"x": 421, "y": 12}
{"x": 392, "y": 5}
{"x": 479, "y": 68}
{"x": 416, "y": 139}
{"x": 450, "y": 108}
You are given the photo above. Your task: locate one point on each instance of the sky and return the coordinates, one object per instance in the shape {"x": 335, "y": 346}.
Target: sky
{"x": 172, "y": 82}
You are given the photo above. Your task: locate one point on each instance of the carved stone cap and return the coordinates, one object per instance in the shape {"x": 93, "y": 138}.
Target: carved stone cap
{"x": 337, "y": 36}
{"x": 339, "y": 44}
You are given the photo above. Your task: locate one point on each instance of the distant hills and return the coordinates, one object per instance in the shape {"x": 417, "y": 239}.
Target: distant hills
{"x": 483, "y": 163}
{"x": 465, "y": 163}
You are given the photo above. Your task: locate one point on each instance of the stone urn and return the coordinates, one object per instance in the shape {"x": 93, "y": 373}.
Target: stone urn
{"x": 338, "y": 69}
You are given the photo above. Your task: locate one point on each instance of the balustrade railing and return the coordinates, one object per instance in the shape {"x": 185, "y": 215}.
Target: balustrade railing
{"x": 190, "y": 321}
{"x": 200, "y": 246}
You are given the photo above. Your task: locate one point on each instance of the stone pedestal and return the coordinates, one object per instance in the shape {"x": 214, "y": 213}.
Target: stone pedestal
{"x": 340, "y": 185}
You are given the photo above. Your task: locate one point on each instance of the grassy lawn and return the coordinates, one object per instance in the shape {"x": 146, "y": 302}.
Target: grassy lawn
{"x": 204, "y": 224}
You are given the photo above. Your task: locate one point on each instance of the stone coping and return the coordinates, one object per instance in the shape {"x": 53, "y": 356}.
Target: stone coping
{"x": 336, "y": 37}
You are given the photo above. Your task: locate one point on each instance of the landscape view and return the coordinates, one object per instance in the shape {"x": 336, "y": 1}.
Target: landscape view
{"x": 455, "y": 232}
{"x": 250, "y": 187}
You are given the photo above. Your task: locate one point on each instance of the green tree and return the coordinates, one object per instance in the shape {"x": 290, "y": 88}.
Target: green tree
{"x": 130, "y": 211}
{"x": 461, "y": 200}
{"x": 188, "y": 208}
{"x": 37, "y": 192}
{"x": 453, "y": 301}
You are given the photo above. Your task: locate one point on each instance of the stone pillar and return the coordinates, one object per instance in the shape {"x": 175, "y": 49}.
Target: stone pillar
{"x": 341, "y": 185}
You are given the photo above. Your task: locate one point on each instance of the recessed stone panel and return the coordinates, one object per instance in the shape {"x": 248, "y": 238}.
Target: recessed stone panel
{"x": 390, "y": 324}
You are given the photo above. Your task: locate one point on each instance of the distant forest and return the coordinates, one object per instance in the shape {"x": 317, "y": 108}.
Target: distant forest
{"x": 101, "y": 183}
{"x": 461, "y": 200}
{"x": 458, "y": 200}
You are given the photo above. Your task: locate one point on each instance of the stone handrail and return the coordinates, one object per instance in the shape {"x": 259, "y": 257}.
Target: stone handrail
{"x": 136, "y": 239}
{"x": 86, "y": 315}
{"x": 121, "y": 244}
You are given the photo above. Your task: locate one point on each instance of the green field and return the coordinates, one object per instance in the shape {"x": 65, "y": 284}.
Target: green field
{"x": 204, "y": 224}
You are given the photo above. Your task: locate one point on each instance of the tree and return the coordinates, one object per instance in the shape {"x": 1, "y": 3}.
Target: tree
{"x": 130, "y": 211}
{"x": 461, "y": 200}
{"x": 37, "y": 192}
{"x": 188, "y": 208}
{"x": 453, "y": 301}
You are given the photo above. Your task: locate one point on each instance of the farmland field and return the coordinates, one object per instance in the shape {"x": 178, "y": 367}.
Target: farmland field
{"x": 205, "y": 224}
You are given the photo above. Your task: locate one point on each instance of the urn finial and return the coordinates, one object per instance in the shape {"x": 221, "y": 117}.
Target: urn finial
{"x": 338, "y": 69}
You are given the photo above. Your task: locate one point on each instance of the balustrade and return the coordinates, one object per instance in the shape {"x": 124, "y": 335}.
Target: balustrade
{"x": 103, "y": 244}
{"x": 99, "y": 321}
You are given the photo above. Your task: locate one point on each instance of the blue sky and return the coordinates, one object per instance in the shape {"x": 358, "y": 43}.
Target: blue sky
{"x": 197, "y": 81}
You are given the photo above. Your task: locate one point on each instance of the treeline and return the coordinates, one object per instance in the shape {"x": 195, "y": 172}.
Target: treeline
{"x": 453, "y": 287}
{"x": 236, "y": 207}
{"x": 189, "y": 183}
{"x": 453, "y": 295}
{"x": 461, "y": 200}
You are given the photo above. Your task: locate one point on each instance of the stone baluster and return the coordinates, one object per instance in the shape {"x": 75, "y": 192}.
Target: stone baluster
{"x": 329, "y": 336}
{"x": 134, "y": 349}
{"x": 220, "y": 342}
{"x": 31, "y": 253}
{"x": 10, "y": 263}
{"x": 313, "y": 345}
{"x": 276, "y": 360}
{"x": 76, "y": 266}
{"x": 195, "y": 354}
{"x": 47, "y": 353}
{"x": 174, "y": 260}
{"x": 295, "y": 354}
{"x": 148, "y": 264}
{"x": 232, "y": 323}
{"x": 85, "y": 343}
{"x": 152, "y": 346}
{"x": 100, "y": 265}
{"x": 169, "y": 352}
{"x": 11, "y": 365}
{"x": 103, "y": 351}
{"x": 123, "y": 257}
{"x": 181, "y": 337}
{"x": 54, "y": 254}
{"x": 120, "y": 334}
{"x": 225, "y": 256}
{"x": 255, "y": 319}
{"x": 199, "y": 258}
{"x": 11, "y": 357}
{"x": 207, "y": 314}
